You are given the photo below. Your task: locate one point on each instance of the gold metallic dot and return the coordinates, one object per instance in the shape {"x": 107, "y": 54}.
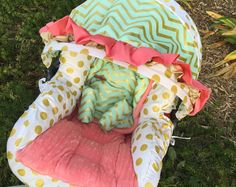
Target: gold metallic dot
{"x": 144, "y": 147}
{"x": 38, "y": 129}
{"x": 46, "y": 102}
{"x": 43, "y": 115}
{"x": 139, "y": 161}
{"x": 149, "y": 136}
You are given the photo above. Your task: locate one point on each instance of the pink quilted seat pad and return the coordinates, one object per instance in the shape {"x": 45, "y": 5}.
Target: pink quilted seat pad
{"x": 82, "y": 155}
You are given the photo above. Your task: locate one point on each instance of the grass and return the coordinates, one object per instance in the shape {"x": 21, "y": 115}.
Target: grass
{"x": 208, "y": 159}
{"x": 226, "y": 27}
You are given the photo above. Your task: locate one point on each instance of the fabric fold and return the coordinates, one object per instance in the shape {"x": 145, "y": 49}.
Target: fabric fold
{"x": 122, "y": 51}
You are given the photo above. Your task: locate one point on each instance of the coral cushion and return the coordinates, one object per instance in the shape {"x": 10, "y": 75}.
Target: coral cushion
{"x": 82, "y": 155}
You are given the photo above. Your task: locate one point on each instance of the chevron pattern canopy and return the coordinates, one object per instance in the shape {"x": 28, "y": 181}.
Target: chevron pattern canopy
{"x": 159, "y": 24}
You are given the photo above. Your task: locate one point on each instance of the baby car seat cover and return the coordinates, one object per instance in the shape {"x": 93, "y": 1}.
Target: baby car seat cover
{"x": 155, "y": 38}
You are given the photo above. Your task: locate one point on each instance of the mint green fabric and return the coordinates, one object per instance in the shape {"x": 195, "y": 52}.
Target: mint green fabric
{"x": 158, "y": 24}
{"x": 110, "y": 93}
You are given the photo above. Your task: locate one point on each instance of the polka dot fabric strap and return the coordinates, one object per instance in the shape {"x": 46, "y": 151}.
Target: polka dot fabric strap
{"x": 57, "y": 100}
{"x": 151, "y": 139}
{"x": 150, "y": 143}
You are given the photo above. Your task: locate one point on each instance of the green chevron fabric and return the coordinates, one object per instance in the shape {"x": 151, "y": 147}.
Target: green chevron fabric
{"x": 149, "y": 23}
{"x": 110, "y": 94}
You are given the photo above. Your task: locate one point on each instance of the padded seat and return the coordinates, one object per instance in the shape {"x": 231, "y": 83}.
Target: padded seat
{"x": 72, "y": 152}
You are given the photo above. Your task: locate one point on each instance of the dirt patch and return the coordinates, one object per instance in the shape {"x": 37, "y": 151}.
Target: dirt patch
{"x": 223, "y": 91}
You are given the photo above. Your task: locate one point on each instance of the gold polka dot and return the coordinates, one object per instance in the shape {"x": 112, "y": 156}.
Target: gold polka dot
{"x": 154, "y": 97}
{"x": 77, "y": 80}
{"x": 155, "y": 167}
{"x": 64, "y": 106}
{"x": 134, "y": 149}
{"x": 166, "y": 136}
{"x": 156, "y": 78}
{"x": 168, "y": 73}
{"x": 145, "y": 111}
{"x": 26, "y": 123}
{"x": 139, "y": 161}
{"x": 24, "y": 114}
{"x": 46, "y": 102}
{"x": 173, "y": 8}
{"x": 51, "y": 122}
{"x": 155, "y": 109}
{"x": 85, "y": 73}
{"x": 160, "y": 131}
{"x": 148, "y": 184}
{"x": 43, "y": 115}
{"x": 67, "y": 111}
{"x": 182, "y": 85}
{"x": 80, "y": 64}
{"x": 70, "y": 70}
{"x": 74, "y": 93}
{"x": 60, "y": 98}
{"x": 165, "y": 125}
{"x": 39, "y": 183}
{"x": 185, "y": 99}
{"x": 154, "y": 127}
{"x": 149, "y": 136}
{"x": 62, "y": 60}
{"x": 174, "y": 89}
{"x": 9, "y": 155}
{"x": 61, "y": 88}
{"x": 38, "y": 129}
{"x": 50, "y": 92}
{"x": 18, "y": 141}
{"x": 21, "y": 172}
{"x": 13, "y": 132}
{"x": 166, "y": 95}
{"x": 68, "y": 95}
{"x": 133, "y": 68}
{"x": 55, "y": 110}
{"x": 68, "y": 83}
{"x": 144, "y": 126}
{"x": 144, "y": 147}
{"x": 89, "y": 57}
{"x": 138, "y": 137}
{"x": 84, "y": 51}
{"x": 60, "y": 117}
{"x": 155, "y": 86}
{"x": 65, "y": 48}
{"x": 73, "y": 54}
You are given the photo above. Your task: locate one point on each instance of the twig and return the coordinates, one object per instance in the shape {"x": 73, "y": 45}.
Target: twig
{"x": 229, "y": 139}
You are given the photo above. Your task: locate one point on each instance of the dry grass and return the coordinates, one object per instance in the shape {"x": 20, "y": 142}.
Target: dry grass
{"x": 223, "y": 91}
